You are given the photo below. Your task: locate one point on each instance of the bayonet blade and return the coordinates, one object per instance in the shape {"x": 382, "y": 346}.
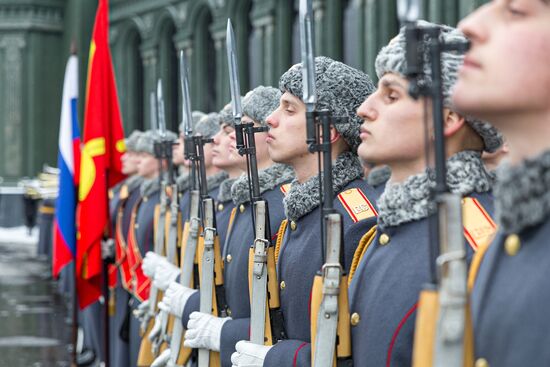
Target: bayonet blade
{"x": 408, "y": 11}
{"x": 160, "y": 102}
{"x": 187, "y": 117}
{"x": 308, "y": 60}
{"x": 153, "y": 105}
{"x": 233, "y": 72}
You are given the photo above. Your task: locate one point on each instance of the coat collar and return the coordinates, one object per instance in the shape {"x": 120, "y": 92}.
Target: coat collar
{"x": 411, "y": 200}
{"x": 269, "y": 178}
{"x": 303, "y": 198}
{"x": 523, "y": 194}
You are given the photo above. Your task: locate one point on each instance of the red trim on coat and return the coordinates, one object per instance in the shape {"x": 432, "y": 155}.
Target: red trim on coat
{"x": 396, "y": 332}
{"x": 296, "y": 354}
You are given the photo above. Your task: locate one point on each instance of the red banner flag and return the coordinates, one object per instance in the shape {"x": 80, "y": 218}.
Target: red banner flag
{"x": 100, "y": 166}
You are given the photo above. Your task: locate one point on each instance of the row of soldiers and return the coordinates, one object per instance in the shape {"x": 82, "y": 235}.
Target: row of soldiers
{"x": 381, "y": 153}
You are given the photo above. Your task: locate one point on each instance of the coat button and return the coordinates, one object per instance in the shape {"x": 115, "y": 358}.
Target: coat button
{"x": 241, "y": 208}
{"x": 481, "y": 362}
{"x": 354, "y": 319}
{"x": 512, "y": 244}
{"x": 228, "y": 258}
{"x": 283, "y": 285}
{"x": 384, "y": 239}
{"x": 145, "y": 199}
{"x": 136, "y": 226}
{"x": 220, "y": 207}
{"x": 293, "y": 225}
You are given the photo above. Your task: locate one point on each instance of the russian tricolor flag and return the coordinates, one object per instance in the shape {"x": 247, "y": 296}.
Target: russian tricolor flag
{"x": 64, "y": 243}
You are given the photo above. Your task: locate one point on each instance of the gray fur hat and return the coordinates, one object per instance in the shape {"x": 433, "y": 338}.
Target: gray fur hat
{"x": 392, "y": 59}
{"x": 226, "y": 114}
{"x": 147, "y": 140}
{"x": 196, "y": 116}
{"x": 340, "y": 89}
{"x": 208, "y": 125}
{"x": 260, "y": 102}
{"x": 132, "y": 139}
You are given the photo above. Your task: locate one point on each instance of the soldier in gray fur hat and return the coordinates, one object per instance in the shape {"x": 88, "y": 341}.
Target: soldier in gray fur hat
{"x": 505, "y": 80}
{"x": 383, "y": 295}
{"x": 205, "y": 330}
{"x": 340, "y": 89}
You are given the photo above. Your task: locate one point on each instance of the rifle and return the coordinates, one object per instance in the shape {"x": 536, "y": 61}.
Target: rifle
{"x": 266, "y": 321}
{"x": 441, "y": 338}
{"x": 192, "y": 226}
{"x": 330, "y": 328}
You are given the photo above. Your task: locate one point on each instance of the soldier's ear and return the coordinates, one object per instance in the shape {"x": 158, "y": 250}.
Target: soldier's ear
{"x": 453, "y": 122}
{"x": 334, "y": 134}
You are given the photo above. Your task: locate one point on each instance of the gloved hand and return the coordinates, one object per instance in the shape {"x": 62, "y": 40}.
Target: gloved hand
{"x": 249, "y": 354}
{"x": 175, "y": 298}
{"x": 141, "y": 310}
{"x": 165, "y": 274}
{"x": 157, "y": 328}
{"x": 204, "y": 331}
{"x": 108, "y": 250}
{"x": 151, "y": 262}
{"x": 162, "y": 360}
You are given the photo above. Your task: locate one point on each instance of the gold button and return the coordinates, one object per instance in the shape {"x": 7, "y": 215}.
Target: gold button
{"x": 481, "y": 362}
{"x": 283, "y": 285}
{"x": 228, "y": 258}
{"x": 220, "y": 207}
{"x": 145, "y": 199}
{"x": 355, "y": 318}
{"x": 136, "y": 226}
{"x": 293, "y": 225}
{"x": 512, "y": 244}
{"x": 228, "y": 312}
{"x": 384, "y": 239}
{"x": 241, "y": 208}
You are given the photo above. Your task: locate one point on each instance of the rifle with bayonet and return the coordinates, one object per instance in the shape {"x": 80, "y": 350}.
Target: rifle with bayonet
{"x": 441, "y": 337}
{"x": 212, "y": 293}
{"x": 179, "y": 355}
{"x": 330, "y": 328}
{"x": 163, "y": 152}
{"x": 266, "y": 322}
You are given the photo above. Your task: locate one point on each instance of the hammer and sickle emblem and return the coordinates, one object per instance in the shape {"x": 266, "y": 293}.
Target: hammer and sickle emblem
{"x": 93, "y": 148}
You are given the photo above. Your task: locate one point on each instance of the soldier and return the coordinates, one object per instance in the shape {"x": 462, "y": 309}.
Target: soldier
{"x": 141, "y": 229}
{"x": 393, "y": 267}
{"x": 221, "y": 334}
{"x": 119, "y": 199}
{"x": 340, "y": 89}
{"x": 505, "y": 79}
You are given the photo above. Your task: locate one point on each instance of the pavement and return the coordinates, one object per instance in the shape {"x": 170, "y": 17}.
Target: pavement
{"x": 35, "y": 328}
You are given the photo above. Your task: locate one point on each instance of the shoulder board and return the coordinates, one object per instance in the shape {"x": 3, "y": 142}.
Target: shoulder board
{"x": 285, "y": 188}
{"x": 357, "y": 204}
{"x": 479, "y": 227}
{"x": 124, "y": 192}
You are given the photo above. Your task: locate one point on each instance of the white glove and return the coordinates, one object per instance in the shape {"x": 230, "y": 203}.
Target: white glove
{"x": 162, "y": 360}
{"x": 141, "y": 310}
{"x": 249, "y": 354}
{"x": 204, "y": 331}
{"x": 175, "y": 298}
{"x": 157, "y": 328}
{"x": 165, "y": 274}
{"x": 150, "y": 263}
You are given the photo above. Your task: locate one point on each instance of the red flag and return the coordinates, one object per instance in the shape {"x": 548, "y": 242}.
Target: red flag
{"x": 100, "y": 166}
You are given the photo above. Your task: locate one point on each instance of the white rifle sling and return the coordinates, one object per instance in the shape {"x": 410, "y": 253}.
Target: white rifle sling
{"x": 452, "y": 268}
{"x": 327, "y": 318}
{"x": 207, "y": 276}
{"x": 187, "y": 264}
{"x": 259, "y": 277}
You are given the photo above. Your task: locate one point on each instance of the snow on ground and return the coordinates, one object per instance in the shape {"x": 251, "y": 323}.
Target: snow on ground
{"x": 19, "y": 235}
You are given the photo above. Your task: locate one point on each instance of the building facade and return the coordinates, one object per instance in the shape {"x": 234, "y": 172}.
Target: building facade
{"x": 146, "y": 37}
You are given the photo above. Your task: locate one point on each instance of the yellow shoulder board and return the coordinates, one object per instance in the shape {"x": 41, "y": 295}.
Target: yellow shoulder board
{"x": 285, "y": 188}
{"x": 357, "y": 204}
{"x": 479, "y": 227}
{"x": 123, "y": 193}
